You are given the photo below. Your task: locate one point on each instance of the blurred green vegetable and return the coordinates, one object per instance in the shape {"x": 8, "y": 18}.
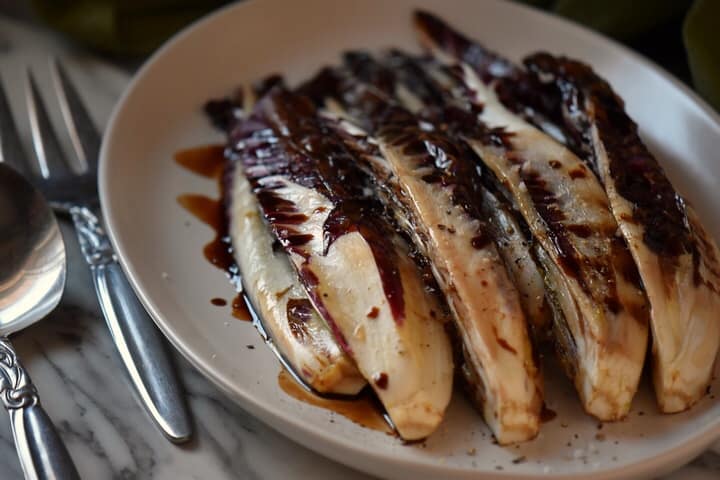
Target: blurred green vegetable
{"x": 125, "y": 27}
{"x": 701, "y": 33}
{"x": 621, "y": 19}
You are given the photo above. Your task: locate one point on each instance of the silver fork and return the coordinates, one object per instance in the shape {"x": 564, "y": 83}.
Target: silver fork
{"x": 140, "y": 345}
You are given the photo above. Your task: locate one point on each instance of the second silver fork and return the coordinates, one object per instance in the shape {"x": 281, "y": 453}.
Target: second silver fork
{"x": 140, "y": 345}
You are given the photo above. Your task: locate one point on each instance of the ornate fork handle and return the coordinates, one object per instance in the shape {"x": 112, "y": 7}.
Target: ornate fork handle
{"x": 94, "y": 243}
{"x": 43, "y": 455}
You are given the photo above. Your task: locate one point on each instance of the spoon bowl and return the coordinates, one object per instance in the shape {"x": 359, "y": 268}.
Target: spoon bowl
{"x": 32, "y": 254}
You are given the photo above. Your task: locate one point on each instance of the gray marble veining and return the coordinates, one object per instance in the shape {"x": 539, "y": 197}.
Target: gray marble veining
{"x": 72, "y": 360}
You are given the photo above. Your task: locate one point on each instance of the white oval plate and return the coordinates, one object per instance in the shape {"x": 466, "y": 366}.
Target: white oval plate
{"x": 160, "y": 244}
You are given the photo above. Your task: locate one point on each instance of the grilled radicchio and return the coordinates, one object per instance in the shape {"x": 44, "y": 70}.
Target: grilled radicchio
{"x": 400, "y": 216}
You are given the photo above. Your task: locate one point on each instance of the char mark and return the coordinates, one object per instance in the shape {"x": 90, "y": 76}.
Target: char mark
{"x": 517, "y": 90}
{"x": 588, "y": 101}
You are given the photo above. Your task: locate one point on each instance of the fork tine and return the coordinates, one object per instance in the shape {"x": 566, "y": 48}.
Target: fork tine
{"x": 84, "y": 135}
{"x": 11, "y": 151}
{"x": 44, "y": 139}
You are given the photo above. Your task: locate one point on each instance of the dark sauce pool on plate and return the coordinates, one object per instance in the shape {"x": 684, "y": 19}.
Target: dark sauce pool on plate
{"x": 365, "y": 410}
{"x": 207, "y": 161}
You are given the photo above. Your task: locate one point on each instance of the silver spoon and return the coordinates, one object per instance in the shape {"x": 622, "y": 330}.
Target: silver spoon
{"x": 32, "y": 278}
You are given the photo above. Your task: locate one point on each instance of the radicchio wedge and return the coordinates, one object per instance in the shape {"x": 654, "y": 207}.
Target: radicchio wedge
{"x": 271, "y": 284}
{"x": 676, "y": 257}
{"x": 355, "y": 268}
{"x": 298, "y": 334}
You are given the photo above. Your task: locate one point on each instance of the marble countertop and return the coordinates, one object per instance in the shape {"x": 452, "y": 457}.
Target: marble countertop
{"x": 73, "y": 362}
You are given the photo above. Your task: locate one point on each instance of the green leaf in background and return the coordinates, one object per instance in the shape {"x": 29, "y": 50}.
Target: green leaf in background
{"x": 130, "y": 27}
{"x": 701, "y": 33}
{"x": 622, "y": 19}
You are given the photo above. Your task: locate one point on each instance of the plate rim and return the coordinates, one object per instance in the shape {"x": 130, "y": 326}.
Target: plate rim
{"x": 301, "y": 430}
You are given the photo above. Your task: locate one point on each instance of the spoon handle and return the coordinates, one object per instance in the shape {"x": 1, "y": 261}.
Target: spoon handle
{"x": 42, "y": 453}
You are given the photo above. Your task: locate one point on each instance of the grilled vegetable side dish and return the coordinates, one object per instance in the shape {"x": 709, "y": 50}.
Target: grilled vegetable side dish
{"x": 604, "y": 337}
{"x": 399, "y": 219}
{"x": 436, "y": 188}
{"x": 356, "y": 270}
{"x": 676, "y": 258}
